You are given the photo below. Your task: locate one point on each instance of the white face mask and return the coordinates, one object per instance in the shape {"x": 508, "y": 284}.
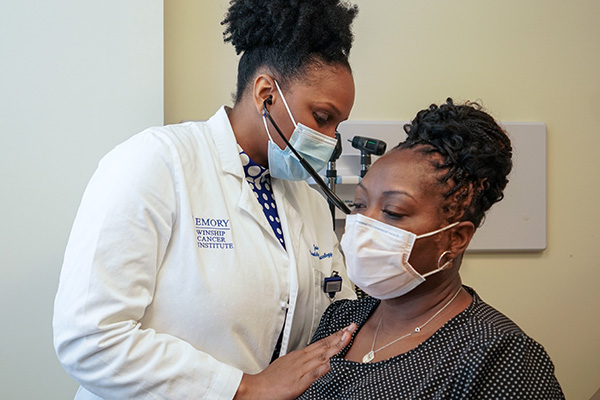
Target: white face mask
{"x": 377, "y": 257}
{"x": 316, "y": 148}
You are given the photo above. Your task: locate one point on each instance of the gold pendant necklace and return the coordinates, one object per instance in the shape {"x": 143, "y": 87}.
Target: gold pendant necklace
{"x": 367, "y": 358}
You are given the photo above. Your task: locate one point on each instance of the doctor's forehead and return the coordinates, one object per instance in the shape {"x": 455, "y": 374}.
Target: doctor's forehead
{"x": 328, "y": 82}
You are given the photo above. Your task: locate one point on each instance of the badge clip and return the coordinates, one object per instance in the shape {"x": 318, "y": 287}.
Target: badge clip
{"x": 332, "y": 284}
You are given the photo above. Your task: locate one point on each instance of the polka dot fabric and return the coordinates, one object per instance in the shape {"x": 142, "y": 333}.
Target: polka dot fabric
{"x": 479, "y": 354}
{"x": 259, "y": 180}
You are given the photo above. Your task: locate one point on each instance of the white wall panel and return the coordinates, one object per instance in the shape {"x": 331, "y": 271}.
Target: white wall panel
{"x": 76, "y": 78}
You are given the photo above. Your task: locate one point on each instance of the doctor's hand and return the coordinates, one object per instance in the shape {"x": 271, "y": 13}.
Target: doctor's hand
{"x": 290, "y": 375}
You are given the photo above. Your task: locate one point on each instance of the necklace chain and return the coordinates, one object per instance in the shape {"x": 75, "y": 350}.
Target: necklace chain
{"x": 371, "y": 354}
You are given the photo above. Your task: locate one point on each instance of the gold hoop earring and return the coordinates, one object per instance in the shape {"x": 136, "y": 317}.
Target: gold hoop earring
{"x": 442, "y": 256}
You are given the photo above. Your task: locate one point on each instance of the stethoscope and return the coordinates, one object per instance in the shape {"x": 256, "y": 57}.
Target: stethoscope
{"x": 331, "y": 196}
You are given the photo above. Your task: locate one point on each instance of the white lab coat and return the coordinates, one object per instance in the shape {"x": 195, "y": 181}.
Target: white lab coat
{"x": 173, "y": 281}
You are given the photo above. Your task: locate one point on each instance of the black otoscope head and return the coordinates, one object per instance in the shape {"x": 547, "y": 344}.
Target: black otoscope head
{"x": 369, "y": 145}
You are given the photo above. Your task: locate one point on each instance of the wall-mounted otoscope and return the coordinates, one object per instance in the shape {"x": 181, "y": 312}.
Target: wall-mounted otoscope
{"x": 367, "y": 146}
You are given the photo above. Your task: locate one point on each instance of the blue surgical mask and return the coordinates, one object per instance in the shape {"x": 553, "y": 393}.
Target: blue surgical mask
{"x": 316, "y": 148}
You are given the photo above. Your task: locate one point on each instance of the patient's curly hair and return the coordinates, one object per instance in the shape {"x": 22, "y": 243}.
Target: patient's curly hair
{"x": 288, "y": 36}
{"x": 476, "y": 156}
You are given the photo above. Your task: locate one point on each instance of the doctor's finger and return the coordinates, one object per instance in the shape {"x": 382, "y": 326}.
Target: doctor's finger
{"x": 332, "y": 344}
{"x": 320, "y": 352}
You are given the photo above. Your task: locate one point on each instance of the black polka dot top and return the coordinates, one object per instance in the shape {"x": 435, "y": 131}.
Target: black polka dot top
{"x": 479, "y": 354}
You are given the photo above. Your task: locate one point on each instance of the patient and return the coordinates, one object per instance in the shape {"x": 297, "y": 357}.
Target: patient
{"x": 422, "y": 334}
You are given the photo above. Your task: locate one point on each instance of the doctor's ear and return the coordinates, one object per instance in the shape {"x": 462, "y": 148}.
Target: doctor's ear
{"x": 263, "y": 88}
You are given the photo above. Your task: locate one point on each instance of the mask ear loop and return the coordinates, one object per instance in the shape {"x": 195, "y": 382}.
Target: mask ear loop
{"x": 286, "y": 104}
{"x": 424, "y": 235}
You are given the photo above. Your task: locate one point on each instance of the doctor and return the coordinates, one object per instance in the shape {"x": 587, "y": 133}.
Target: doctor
{"x": 198, "y": 254}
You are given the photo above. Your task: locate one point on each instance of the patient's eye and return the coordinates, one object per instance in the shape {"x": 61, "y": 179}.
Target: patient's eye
{"x": 393, "y": 215}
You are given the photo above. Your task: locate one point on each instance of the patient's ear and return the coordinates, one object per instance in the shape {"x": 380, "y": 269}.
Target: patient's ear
{"x": 460, "y": 237}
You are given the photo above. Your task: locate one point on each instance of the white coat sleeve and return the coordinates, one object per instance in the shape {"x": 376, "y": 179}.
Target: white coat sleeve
{"x": 119, "y": 238}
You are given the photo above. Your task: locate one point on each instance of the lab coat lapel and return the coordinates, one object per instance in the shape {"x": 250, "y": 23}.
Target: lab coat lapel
{"x": 291, "y": 221}
{"x": 231, "y": 163}
{"x": 247, "y": 202}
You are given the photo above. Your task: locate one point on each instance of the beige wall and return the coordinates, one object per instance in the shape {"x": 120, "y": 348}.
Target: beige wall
{"x": 536, "y": 60}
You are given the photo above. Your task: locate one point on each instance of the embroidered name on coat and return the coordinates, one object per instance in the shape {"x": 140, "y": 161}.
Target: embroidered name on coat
{"x": 315, "y": 253}
{"x": 213, "y": 233}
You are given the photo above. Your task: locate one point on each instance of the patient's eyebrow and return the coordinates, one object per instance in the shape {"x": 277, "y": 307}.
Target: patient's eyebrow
{"x": 388, "y": 192}
{"x": 398, "y": 192}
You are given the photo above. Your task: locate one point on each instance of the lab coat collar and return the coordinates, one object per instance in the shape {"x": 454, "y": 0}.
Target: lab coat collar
{"x": 226, "y": 143}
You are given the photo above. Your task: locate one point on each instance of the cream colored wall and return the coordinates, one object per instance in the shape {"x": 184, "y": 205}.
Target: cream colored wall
{"x": 535, "y": 60}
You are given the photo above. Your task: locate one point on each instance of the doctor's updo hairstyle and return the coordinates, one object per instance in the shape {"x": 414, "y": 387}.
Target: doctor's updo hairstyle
{"x": 476, "y": 156}
{"x": 288, "y": 36}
